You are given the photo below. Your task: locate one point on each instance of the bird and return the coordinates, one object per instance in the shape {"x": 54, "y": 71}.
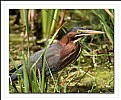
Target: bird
{"x": 60, "y": 54}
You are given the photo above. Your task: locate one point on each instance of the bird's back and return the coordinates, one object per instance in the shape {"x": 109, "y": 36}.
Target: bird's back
{"x": 52, "y": 58}
{"x": 55, "y": 60}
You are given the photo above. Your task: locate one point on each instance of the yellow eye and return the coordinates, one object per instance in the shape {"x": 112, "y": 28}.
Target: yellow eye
{"x": 80, "y": 31}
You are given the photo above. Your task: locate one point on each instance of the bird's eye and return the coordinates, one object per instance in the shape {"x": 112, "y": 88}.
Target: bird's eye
{"x": 80, "y": 31}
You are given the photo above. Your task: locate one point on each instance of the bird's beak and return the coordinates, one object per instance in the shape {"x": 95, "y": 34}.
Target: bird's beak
{"x": 88, "y": 32}
{"x": 82, "y": 33}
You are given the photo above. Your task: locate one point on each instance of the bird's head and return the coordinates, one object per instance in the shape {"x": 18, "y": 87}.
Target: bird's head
{"x": 76, "y": 33}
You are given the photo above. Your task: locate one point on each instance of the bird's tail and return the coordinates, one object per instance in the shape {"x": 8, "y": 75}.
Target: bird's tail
{"x": 13, "y": 75}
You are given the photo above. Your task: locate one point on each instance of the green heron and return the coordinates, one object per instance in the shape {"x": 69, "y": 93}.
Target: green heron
{"x": 60, "y": 54}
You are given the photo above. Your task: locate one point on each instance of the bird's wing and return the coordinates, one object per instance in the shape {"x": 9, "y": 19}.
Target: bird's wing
{"x": 52, "y": 55}
{"x": 52, "y": 58}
